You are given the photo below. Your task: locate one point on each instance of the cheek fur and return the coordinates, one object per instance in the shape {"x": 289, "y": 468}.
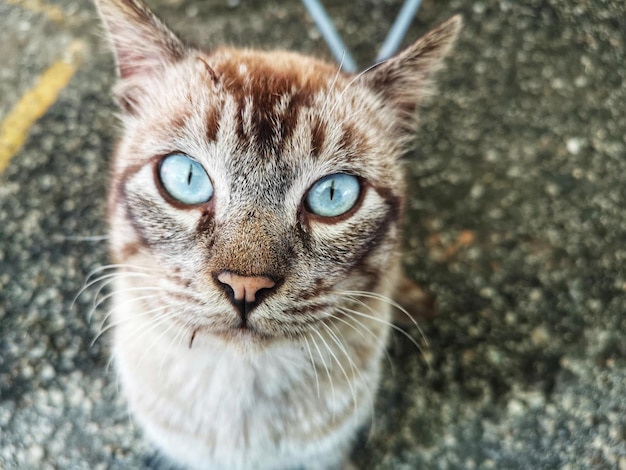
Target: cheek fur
{"x": 161, "y": 226}
{"x": 351, "y": 239}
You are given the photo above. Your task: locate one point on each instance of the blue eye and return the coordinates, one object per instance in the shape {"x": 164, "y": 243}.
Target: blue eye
{"x": 185, "y": 180}
{"x": 333, "y": 195}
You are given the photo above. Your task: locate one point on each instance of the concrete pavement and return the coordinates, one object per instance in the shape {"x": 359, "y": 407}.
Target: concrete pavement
{"x": 516, "y": 223}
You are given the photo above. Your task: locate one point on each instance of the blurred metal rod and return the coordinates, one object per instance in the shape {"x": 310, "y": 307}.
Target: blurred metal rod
{"x": 398, "y": 30}
{"x": 332, "y": 38}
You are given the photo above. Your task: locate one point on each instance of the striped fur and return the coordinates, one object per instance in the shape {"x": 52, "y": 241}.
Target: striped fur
{"x": 290, "y": 389}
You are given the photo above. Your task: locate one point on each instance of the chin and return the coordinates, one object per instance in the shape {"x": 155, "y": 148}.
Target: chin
{"x": 247, "y": 339}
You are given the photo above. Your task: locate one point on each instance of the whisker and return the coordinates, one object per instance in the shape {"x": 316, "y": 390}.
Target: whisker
{"x": 377, "y": 296}
{"x": 343, "y": 349}
{"x": 330, "y": 379}
{"x": 177, "y": 339}
{"x": 350, "y": 83}
{"x": 393, "y": 303}
{"x": 97, "y": 301}
{"x": 89, "y": 283}
{"x": 107, "y": 369}
{"x": 97, "y": 304}
{"x": 317, "y": 380}
{"x": 404, "y": 332}
{"x": 156, "y": 340}
{"x": 368, "y": 330}
{"x": 354, "y": 367}
{"x": 389, "y": 324}
{"x": 334, "y": 356}
{"x": 365, "y": 327}
{"x": 332, "y": 85}
{"x": 123, "y": 306}
{"x": 160, "y": 315}
{"x": 125, "y": 320}
{"x": 158, "y": 320}
{"x": 78, "y": 238}
{"x": 108, "y": 267}
{"x": 103, "y": 269}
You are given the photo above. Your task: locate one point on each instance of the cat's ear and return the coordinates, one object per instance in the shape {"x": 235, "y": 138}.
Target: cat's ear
{"x": 407, "y": 78}
{"x": 142, "y": 43}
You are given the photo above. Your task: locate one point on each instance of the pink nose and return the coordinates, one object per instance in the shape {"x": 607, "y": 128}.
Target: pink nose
{"x": 244, "y": 289}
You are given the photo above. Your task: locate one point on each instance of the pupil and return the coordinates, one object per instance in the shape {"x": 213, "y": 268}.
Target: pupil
{"x": 189, "y": 175}
{"x": 332, "y": 190}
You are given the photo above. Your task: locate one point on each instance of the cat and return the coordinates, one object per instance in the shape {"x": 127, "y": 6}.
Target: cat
{"x": 255, "y": 209}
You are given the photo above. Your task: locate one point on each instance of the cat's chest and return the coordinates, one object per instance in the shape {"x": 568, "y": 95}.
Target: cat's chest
{"x": 213, "y": 383}
{"x": 231, "y": 409}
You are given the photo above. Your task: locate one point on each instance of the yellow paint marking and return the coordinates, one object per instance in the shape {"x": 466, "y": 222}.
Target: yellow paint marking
{"x": 40, "y": 7}
{"x": 14, "y": 128}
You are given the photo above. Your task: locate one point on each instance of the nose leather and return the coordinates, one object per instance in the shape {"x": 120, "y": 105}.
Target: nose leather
{"x": 243, "y": 291}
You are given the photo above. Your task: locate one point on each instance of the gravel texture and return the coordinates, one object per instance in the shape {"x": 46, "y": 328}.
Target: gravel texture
{"x": 516, "y": 223}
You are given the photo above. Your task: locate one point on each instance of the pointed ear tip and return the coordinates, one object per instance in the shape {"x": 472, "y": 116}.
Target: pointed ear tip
{"x": 105, "y": 9}
{"x": 447, "y": 33}
{"x": 453, "y": 25}
{"x": 456, "y": 20}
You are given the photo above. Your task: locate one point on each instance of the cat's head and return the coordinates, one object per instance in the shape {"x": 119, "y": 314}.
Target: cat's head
{"x": 255, "y": 188}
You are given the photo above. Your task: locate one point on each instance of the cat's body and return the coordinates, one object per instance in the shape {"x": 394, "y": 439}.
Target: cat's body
{"x": 251, "y": 314}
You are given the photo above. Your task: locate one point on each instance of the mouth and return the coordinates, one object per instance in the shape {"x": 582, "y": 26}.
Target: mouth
{"x": 243, "y": 334}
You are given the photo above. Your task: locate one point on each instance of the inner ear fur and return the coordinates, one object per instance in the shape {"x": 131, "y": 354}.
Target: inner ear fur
{"x": 407, "y": 78}
{"x": 141, "y": 42}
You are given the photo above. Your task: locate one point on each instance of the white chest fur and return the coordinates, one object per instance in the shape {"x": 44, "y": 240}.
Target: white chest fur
{"x": 220, "y": 405}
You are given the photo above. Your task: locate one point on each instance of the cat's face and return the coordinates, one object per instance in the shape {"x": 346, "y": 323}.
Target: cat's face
{"x": 264, "y": 166}
{"x": 264, "y": 129}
